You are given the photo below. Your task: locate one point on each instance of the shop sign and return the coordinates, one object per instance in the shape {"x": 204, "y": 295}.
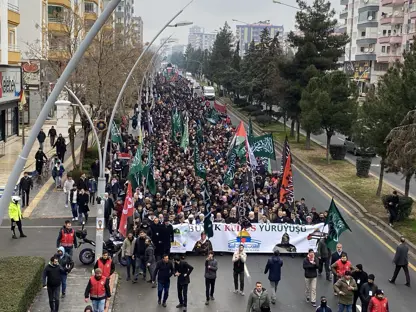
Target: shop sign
{"x": 10, "y": 83}
{"x": 31, "y": 73}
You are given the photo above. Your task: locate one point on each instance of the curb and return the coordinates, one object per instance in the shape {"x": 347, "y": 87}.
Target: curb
{"x": 338, "y": 194}
{"x": 113, "y": 286}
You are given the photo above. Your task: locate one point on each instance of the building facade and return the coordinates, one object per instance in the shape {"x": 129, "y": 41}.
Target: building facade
{"x": 9, "y": 24}
{"x": 247, "y": 33}
{"x": 380, "y": 31}
{"x": 138, "y": 29}
{"x": 199, "y": 39}
{"x": 10, "y": 88}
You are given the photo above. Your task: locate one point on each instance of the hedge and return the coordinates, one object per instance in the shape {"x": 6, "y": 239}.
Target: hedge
{"x": 90, "y": 156}
{"x": 20, "y": 282}
{"x": 338, "y": 151}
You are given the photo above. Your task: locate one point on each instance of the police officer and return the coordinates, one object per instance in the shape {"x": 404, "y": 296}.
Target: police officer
{"x": 15, "y": 215}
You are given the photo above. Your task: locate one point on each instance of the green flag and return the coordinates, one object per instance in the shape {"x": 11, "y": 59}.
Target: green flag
{"x": 229, "y": 174}
{"x": 135, "y": 173}
{"x": 262, "y": 146}
{"x": 115, "y": 134}
{"x": 209, "y": 231}
{"x": 336, "y": 226}
{"x": 185, "y": 135}
{"x": 176, "y": 124}
{"x": 150, "y": 173}
{"x": 199, "y": 135}
{"x": 250, "y": 129}
{"x": 200, "y": 170}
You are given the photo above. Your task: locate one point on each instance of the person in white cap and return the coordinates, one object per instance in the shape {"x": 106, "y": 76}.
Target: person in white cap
{"x": 15, "y": 215}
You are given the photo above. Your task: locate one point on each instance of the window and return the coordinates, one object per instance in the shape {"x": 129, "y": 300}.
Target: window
{"x": 55, "y": 11}
{"x": 381, "y": 66}
{"x": 90, "y": 7}
{"x": 362, "y": 49}
{"x": 388, "y": 49}
{"x": 12, "y": 36}
{"x": 367, "y": 16}
{"x": 363, "y": 34}
{"x": 119, "y": 8}
{"x": 383, "y": 49}
{"x": 384, "y": 32}
{"x": 119, "y": 20}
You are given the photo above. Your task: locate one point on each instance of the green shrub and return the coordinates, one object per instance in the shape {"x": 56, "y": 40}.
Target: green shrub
{"x": 404, "y": 207}
{"x": 20, "y": 282}
{"x": 75, "y": 174}
{"x": 264, "y": 119}
{"x": 363, "y": 165}
{"x": 257, "y": 113}
{"x": 252, "y": 108}
{"x": 338, "y": 151}
{"x": 90, "y": 156}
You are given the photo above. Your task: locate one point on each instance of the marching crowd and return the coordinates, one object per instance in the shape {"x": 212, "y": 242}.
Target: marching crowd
{"x": 184, "y": 197}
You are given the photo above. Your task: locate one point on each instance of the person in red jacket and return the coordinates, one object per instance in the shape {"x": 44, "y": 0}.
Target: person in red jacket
{"x": 105, "y": 264}
{"x": 67, "y": 238}
{"x": 98, "y": 290}
{"x": 341, "y": 266}
{"x": 378, "y": 303}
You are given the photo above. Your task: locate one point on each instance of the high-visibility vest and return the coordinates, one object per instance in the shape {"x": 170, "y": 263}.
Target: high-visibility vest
{"x": 97, "y": 287}
{"x": 105, "y": 267}
{"x": 67, "y": 239}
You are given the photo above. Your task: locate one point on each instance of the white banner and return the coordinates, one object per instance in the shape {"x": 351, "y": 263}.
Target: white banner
{"x": 260, "y": 238}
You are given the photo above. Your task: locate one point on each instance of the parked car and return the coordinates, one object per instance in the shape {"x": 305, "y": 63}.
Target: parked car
{"x": 355, "y": 149}
{"x": 209, "y": 93}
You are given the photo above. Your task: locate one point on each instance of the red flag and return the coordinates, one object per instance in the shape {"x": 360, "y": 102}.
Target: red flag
{"x": 220, "y": 108}
{"x": 127, "y": 211}
{"x": 286, "y": 187}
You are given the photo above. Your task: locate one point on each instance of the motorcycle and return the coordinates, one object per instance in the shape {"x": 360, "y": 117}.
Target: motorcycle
{"x": 87, "y": 255}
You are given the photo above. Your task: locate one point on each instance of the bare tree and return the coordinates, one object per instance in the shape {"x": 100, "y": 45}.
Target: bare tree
{"x": 401, "y": 149}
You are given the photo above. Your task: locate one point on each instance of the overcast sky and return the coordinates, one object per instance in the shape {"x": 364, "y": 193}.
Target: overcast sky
{"x": 211, "y": 14}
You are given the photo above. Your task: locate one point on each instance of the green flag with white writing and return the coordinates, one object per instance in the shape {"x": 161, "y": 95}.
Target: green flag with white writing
{"x": 135, "y": 173}
{"x": 150, "y": 173}
{"x": 262, "y": 146}
{"x": 336, "y": 226}
{"x": 200, "y": 170}
{"x": 115, "y": 134}
{"x": 185, "y": 134}
{"x": 229, "y": 174}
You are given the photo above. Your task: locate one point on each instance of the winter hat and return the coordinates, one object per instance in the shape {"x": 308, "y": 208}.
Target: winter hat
{"x": 359, "y": 267}
{"x": 348, "y": 273}
{"x": 371, "y": 277}
{"x": 379, "y": 292}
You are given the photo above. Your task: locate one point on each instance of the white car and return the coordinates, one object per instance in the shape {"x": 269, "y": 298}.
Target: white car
{"x": 209, "y": 93}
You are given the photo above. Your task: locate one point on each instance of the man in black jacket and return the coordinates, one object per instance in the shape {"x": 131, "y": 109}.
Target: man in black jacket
{"x": 41, "y": 138}
{"x": 167, "y": 235}
{"x": 156, "y": 230}
{"x": 360, "y": 278}
{"x": 164, "y": 270}
{"x": 52, "y": 135}
{"x": 367, "y": 291}
{"x": 25, "y": 185}
{"x": 401, "y": 260}
{"x": 52, "y": 281}
{"x": 108, "y": 209}
{"x": 182, "y": 271}
{"x": 139, "y": 253}
{"x": 40, "y": 157}
{"x": 310, "y": 265}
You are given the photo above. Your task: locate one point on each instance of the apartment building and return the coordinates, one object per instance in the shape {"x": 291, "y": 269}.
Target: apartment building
{"x": 199, "y": 39}
{"x": 247, "y": 33}
{"x": 138, "y": 29}
{"x": 380, "y": 31}
{"x": 9, "y": 24}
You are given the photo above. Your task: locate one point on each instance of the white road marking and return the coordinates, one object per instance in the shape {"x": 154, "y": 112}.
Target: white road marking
{"x": 342, "y": 140}
{"x": 375, "y": 165}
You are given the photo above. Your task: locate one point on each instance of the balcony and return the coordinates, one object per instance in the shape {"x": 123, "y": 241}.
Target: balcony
{"x": 342, "y": 28}
{"x": 361, "y": 56}
{"x": 13, "y": 54}
{"x": 64, "y": 3}
{"x": 397, "y": 39}
{"x": 412, "y": 14}
{"x": 388, "y": 58}
{"x": 367, "y": 40}
{"x": 393, "y": 20}
{"x": 91, "y": 16}
{"x": 392, "y": 2}
{"x": 13, "y": 14}
{"x": 55, "y": 24}
{"x": 344, "y": 2}
{"x": 369, "y": 5}
{"x": 385, "y": 39}
{"x": 58, "y": 53}
{"x": 366, "y": 23}
{"x": 343, "y": 14}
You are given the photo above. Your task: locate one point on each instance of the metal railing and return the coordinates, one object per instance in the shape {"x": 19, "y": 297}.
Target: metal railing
{"x": 13, "y": 5}
{"x": 52, "y": 19}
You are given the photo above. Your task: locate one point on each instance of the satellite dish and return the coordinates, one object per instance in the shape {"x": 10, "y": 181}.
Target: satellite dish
{"x": 371, "y": 50}
{"x": 366, "y": 50}
{"x": 370, "y": 18}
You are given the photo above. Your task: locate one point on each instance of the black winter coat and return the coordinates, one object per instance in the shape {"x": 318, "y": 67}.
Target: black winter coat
{"x": 52, "y": 275}
{"x": 163, "y": 271}
{"x": 184, "y": 268}
{"x": 310, "y": 268}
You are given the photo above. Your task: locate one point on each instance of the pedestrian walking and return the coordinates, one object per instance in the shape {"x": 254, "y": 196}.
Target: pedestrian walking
{"x": 52, "y": 282}
{"x": 258, "y": 301}
{"x": 67, "y": 238}
{"x": 360, "y": 277}
{"x": 401, "y": 260}
{"x": 41, "y": 138}
{"x": 92, "y": 189}
{"x": 274, "y": 268}
{"x": 60, "y": 145}
{"x": 310, "y": 265}
{"x": 57, "y": 173}
{"x": 341, "y": 266}
{"x": 150, "y": 262}
{"x": 52, "y": 135}
{"x": 40, "y": 158}
{"x": 392, "y": 207}
{"x": 367, "y": 291}
{"x": 323, "y": 307}
{"x": 68, "y": 186}
{"x": 15, "y": 215}
{"x": 378, "y": 303}
{"x": 239, "y": 260}
{"x": 139, "y": 254}
{"x": 98, "y": 290}
{"x": 163, "y": 270}
{"x": 182, "y": 271}
{"x": 25, "y": 185}
{"x": 127, "y": 252}
{"x": 324, "y": 254}
{"x": 108, "y": 208}
{"x": 211, "y": 267}
{"x": 73, "y": 200}
{"x": 66, "y": 265}
{"x": 82, "y": 183}
{"x": 105, "y": 264}
{"x": 335, "y": 257}
{"x": 82, "y": 203}
{"x": 345, "y": 288}
{"x": 167, "y": 237}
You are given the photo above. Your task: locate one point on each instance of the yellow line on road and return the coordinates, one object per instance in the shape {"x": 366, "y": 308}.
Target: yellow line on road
{"x": 42, "y": 192}
{"x": 346, "y": 210}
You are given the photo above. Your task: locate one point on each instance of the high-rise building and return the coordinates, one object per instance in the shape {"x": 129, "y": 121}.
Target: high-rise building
{"x": 199, "y": 39}
{"x": 380, "y": 31}
{"x": 124, "y": 14}
{"x": 9, "y": 24}
{"x": 247, "y": 33}
{"x": 138, "y": 29}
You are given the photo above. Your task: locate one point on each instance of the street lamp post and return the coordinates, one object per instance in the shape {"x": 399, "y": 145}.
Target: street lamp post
{"x": 101, "y": 183}
{"x": 288, "y": 5}
{"x": 21, "y": 160}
